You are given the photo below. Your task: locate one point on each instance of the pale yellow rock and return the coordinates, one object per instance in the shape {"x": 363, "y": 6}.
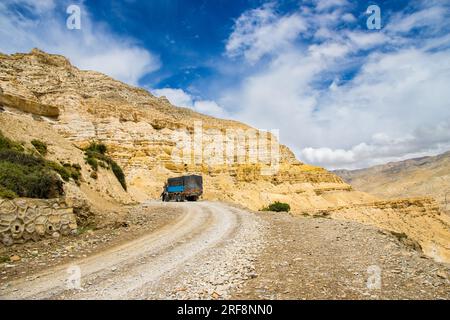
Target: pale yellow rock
{"x": 141, "y": 133}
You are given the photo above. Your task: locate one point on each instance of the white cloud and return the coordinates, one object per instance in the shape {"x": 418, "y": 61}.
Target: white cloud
{"x": 348, "y": 17}
{"x": 261, "y": 31}
{"x": 93, "y": 47}
{"x": 322, "y": 5}
{"x": 432, "y": 15}
{"x": 177, "y": 97}
{"x": 180, "y": 98}
{"x": 395, "y": 106}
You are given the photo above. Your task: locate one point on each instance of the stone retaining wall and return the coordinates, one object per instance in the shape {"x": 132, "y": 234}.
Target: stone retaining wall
{"x": 33, "y": 219}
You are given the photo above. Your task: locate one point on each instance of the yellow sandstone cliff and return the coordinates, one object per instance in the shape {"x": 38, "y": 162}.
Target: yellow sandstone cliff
{"x": 143, "y": 134}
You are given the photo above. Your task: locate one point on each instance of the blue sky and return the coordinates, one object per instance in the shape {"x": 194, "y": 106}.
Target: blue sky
{"x": 343, "y": 96}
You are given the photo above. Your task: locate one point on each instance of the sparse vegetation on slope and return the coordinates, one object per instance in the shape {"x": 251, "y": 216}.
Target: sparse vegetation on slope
{"x": 96, "y": 156}
{"x": 278, "y": 207}
{"x": 26, "y": 175}
{"x": 40, "y": 146}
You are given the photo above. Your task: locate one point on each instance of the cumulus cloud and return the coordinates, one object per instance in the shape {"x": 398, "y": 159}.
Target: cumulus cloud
{"x": 431, "y": 16}
{"x": 94, "y": 47}
{"x": 262, "y": 31}
{"x": 394, "y": 105}
{"x": 181, "y": 98}
{"x": 322, "y": 5}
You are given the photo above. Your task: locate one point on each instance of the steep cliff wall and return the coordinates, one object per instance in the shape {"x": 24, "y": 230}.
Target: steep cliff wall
{"x": 153, "y": 140}
{"x": 143, "y": 133}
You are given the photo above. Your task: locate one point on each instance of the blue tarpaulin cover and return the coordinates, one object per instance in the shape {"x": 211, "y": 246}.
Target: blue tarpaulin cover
{"x": 175, "y": 188}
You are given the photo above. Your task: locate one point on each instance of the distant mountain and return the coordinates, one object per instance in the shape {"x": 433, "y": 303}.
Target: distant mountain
{"x": 426, "y": 176}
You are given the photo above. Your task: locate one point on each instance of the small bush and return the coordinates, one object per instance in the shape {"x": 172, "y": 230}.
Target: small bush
{"x": 97, "y": 147}
{"x": 278, "y": 207}
{"x": 7, "y": 194}
{"x": 40, "y": 146}
{"x": 118, "y": 172}
{"x": 62, "y": 171}
{"x": 96, "y": 156}
{"x": 90, "y": 160}
{"x": 6, "y": 143}
{"x": 30, "y": 181}
{"x": 73, "y": 171}
{"x": 26, "y": 175}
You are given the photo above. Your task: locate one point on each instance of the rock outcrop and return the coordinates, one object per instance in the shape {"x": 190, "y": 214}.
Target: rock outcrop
{"x": 143, "y": 134}
{"x": 30, "y": 106}
{"x": 153, "y": 140}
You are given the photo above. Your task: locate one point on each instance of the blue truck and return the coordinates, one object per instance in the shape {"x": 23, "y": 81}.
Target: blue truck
{"x": 183, "y": 188}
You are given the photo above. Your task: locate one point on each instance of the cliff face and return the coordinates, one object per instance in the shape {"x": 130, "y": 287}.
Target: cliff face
{"x": 44, "y": 97}
{"x": 143, "y": 134}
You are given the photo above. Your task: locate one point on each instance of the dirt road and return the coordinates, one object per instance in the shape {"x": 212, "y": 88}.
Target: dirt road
{"x": 164, "y": 264}
{"x": 210, "y": 250}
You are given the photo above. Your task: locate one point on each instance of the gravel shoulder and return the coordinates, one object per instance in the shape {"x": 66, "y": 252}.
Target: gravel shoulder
{"x": 178, "y": 260}
{"x": 317, "y": 258}
{"x": 211, "y": 250}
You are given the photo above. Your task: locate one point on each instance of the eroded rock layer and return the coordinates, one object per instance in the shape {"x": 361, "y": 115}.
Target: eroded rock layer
{"x": 143, "y": 135}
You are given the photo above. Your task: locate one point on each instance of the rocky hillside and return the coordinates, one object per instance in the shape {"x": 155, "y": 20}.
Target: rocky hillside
{"x": 42, "y": 96}
{"x": 141, "y": 132}
{"x": 427, "y": 176}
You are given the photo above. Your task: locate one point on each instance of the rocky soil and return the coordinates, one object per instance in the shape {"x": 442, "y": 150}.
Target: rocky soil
{"x": 142, "y": 134}
{"x": 319, "y": 258}
{"x": 211, "y": 250}
{"x": 203, "y": 253}
{"x": 26, "y": 260}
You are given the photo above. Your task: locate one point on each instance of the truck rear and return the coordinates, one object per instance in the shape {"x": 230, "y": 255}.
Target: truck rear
{"x": 183, "y": 188}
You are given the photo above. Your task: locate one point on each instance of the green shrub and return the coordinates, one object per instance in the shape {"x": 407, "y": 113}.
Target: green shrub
{"x": 26, "y": 175}
{"x": 97, "y": 147}
{"x": 6, "y": 143}
{"x": 96, "y": 156}
{"x": 40, "y": 146}
{"x": 62, "y": 171}
{"x": 30, "y": 181}
{"x": 278, "y": 207}
{"x": 20, "y": 158}
{"x": 92, "y": 162}
{"x": 118, "y": 172}
{"x": 7, "y": 194}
